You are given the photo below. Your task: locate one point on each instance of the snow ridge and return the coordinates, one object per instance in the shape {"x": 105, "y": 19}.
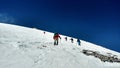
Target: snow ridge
{"x": 22, "y": 47}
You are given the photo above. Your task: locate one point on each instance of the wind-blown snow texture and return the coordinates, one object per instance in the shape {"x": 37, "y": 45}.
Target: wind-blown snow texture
{"x": 22, "y": 47}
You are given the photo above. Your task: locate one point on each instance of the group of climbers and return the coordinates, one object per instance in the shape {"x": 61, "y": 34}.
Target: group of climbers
{"x": 56, "y": 38}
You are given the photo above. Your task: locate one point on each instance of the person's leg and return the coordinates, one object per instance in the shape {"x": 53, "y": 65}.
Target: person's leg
{"x": 57, "y": 42}
{"x": 78, "y": 43}
{"x": 54, "y": 42}
{"x": 72, "y": 41}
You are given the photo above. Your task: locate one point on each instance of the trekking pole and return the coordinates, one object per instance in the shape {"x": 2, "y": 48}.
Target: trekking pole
{"x": 60, "y": 41}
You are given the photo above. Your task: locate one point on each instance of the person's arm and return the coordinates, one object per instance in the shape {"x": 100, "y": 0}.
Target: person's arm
{"x": 59, "y": 37}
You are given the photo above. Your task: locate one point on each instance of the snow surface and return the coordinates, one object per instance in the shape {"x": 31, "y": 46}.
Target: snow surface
{"x": 22, "y": 47}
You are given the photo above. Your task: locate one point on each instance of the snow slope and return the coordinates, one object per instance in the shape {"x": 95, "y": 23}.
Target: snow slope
{"x": 22, "y": 47}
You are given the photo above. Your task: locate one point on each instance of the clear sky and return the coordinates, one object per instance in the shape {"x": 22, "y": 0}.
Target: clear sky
{"x": 96, "y": 21}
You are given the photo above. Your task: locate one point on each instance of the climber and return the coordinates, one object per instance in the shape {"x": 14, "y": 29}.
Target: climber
{"x": 78, "y": 41}
{"x": 71, "y": 40}
{"x": 66, "y": 38}
{"x": 56, "y": 38}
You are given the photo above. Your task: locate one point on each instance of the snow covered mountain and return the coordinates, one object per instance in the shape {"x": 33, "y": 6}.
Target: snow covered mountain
{"x": 22, "y": 47}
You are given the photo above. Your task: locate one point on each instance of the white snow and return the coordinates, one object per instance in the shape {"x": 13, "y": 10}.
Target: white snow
{"x": 22, "y": 47}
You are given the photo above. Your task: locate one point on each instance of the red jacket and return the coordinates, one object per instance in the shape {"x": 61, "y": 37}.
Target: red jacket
{"x": 56, "y": 37}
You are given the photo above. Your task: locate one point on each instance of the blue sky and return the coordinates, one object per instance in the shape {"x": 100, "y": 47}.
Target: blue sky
{"x": 96, "y": 21}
